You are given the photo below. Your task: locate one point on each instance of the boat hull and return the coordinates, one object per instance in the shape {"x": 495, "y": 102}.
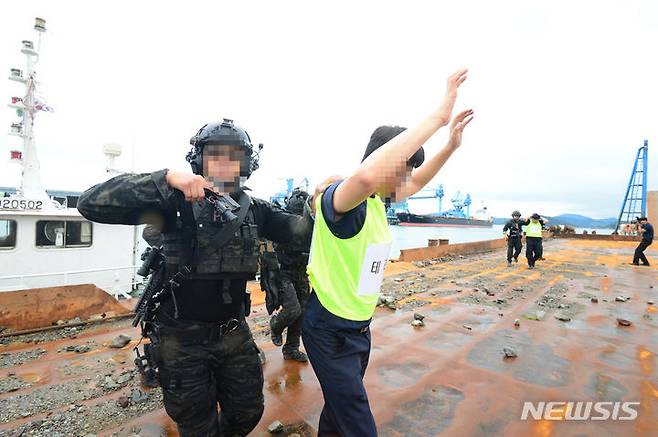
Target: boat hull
{"x": 408, "y": 219}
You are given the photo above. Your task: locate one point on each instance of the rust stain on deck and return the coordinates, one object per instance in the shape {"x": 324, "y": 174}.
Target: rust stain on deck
{"x": 449, "y": 378}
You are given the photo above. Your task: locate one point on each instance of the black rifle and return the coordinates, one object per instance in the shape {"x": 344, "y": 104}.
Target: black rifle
{"x": 154, "y": 293}
{"x": 153, "y": 265}
{"x": 167, "y": 290}
{"x": 224, "y": 206}
{"x": 156, "y": 289}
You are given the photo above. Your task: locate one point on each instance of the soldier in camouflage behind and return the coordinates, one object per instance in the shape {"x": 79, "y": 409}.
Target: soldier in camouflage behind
{"x": 293, "y": 286}
{"x": 202, "y": 346}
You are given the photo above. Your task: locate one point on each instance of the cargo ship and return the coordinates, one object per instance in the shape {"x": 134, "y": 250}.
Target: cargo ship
{"x": 399, "y": 214}
{"x": 410, "y": 219}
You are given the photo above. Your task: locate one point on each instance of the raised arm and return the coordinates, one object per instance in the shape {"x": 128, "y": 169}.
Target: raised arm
{"x": 422, "y": 175}
{"x": 381, "y": 170}
{"x": 127, "y": 199}
{"x": 131, "y": 199}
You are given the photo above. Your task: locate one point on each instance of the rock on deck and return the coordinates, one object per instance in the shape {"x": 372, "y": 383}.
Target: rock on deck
{"x": 448, "y": 378}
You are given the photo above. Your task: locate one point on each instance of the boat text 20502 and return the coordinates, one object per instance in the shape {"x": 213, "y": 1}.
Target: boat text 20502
{"x": 20, "y": 204}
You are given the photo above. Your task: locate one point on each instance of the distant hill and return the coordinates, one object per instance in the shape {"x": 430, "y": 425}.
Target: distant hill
{"x": 580, "y": 221}
{"x": 575, "y": 220}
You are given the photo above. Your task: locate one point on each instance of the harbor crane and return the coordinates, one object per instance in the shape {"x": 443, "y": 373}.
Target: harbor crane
{"x": 635, "y": 200}
{"x": 279, "y": 197}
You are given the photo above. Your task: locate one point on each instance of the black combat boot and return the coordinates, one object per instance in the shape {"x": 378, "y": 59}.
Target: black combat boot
{"x": 295, "y": 355}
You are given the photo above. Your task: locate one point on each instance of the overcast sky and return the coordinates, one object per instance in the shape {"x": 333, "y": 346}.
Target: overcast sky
{"x": 564, "y": 91}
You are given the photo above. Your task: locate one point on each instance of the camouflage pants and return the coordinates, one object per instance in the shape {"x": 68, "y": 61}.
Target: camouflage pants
{"x": 199, "y": 369}
{"x": 293, "y": 296}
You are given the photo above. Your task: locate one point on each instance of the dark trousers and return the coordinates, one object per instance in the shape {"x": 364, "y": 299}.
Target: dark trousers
{"x": 514, "y": 247}
{"x": 200, "y": 368}
{"x": 339, "y": 350}
{"x": 293, "y": 296}
{"x": 534, "y": 250}
{"x": 639, "y": 252}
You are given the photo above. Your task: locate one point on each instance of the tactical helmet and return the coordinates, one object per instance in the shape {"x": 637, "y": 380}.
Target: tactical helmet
{"x": 516, "y": 214}
{"x": 295, "y": 201}
{"x": 225, "y": 133}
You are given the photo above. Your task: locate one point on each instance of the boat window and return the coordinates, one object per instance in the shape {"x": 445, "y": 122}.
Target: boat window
{"x": 7, "y": 234}
{"x": 58, "y": 233}
{"x": 78, "y": 234}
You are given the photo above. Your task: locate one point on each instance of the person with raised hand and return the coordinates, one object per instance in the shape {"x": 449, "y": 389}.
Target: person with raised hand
{"x": 349, "y": 251}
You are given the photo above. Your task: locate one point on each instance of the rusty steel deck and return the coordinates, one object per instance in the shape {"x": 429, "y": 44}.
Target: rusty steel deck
{"x": 448, "y": 378}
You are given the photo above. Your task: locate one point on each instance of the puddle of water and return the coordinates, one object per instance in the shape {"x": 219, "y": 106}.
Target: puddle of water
{"x": 602, "y": 387}
{"x": 429, "y": 414}
{"x": 535, "y": 363}
{"x": 402, "y": 375}
{"x": 289, "y": 380}
{"x": 449, "y": 340}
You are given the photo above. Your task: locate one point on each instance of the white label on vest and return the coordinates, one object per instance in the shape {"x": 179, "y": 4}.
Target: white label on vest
{"x": 372, "y": 269}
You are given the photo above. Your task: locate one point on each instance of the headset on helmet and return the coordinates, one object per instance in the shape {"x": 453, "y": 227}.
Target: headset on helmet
{"x": 224, "y": 133}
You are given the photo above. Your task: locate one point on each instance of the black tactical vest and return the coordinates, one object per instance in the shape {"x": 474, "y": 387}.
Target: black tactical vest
{"x": 515, "y": 230}
{"x": 192, "y": 244}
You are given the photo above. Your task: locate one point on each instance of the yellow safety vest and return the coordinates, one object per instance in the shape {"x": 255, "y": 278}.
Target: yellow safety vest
{"x": 533, "y": 229}
{"x": 346, "y": 274}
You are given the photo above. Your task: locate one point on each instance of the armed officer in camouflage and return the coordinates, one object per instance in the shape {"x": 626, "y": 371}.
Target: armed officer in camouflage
{"x": 202, "y": 346}
{"x": 293, "y": 285}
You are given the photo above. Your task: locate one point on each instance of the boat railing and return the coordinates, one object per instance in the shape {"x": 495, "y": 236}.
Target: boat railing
{"x": 117, "y": 281}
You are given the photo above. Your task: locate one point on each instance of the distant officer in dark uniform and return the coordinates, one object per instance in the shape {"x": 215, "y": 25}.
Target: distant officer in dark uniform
{"x": 646, "y": 229}
{"x": 294, "y": 289}
{"x": 513, "y": 234}
{"x": 206, "y": 352}
{"x": 534, "y": 239}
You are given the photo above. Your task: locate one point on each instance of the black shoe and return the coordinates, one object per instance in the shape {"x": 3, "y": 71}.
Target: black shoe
{"x": 646, "y": 264}
{"x": 296, "y": 355}
{"x": 634, "y": 264}
{"x": 516, "y": 260}
{"x": 277, "y": 339}
{"x": 531, "y": 267}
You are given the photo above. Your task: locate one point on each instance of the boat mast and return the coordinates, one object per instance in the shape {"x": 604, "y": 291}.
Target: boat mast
{"x": 31, "y": 186}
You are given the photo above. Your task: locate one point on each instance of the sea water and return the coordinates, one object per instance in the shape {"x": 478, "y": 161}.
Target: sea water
{"x": 409, "y": 237}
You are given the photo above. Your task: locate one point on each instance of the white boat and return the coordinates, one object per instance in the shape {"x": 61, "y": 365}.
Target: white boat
{"x": 44, "y": 243}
